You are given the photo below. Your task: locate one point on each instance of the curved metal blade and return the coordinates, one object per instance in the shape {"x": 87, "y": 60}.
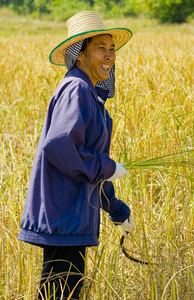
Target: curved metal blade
{"x": 129, "y": 256}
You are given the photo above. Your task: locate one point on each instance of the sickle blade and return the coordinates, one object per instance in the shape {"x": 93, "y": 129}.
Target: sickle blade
{"x": 129, "y": 256}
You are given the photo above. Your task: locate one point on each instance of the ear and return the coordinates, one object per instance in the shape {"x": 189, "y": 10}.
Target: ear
{"x": 80, "y": 55}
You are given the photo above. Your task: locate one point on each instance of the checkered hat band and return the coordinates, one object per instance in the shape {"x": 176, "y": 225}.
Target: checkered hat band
{"x": 71, "y": 54}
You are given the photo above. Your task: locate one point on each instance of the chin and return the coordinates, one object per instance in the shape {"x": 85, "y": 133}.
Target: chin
{"x": 104, "y": 78}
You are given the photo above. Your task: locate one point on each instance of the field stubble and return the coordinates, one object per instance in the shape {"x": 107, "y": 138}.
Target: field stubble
{"x": 154, "y": 89}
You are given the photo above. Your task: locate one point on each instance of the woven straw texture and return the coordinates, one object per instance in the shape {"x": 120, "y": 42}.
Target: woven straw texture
{"x": 83, "y": 25}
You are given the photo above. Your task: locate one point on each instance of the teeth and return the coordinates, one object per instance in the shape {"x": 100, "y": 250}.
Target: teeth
{"x": 106, "y": 67}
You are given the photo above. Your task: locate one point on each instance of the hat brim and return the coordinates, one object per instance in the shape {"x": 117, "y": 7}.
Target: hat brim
{"x": 120, "y": 37}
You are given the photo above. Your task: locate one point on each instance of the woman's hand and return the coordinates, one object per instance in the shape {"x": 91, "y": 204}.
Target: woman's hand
{"x": 127, "y": 226}
{"x": 119, "y": 172}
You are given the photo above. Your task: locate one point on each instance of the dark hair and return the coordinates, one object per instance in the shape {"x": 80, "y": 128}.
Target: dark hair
{"x": 86, "y": 43}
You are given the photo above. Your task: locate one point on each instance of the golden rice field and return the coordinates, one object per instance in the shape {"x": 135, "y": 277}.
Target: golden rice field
{"x": 155, "y": 90}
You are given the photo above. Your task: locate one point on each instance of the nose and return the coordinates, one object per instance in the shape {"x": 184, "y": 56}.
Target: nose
{"x": 110, "y": 55}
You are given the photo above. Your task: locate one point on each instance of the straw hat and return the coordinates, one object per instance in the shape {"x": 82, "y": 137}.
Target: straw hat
{"x": 84, "y": 25}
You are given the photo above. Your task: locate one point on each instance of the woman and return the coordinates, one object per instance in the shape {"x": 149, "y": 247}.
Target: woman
{"x": 72, "y": 173}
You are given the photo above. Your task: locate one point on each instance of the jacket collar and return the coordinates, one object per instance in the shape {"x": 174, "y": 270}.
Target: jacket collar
{"x": 96, "y": 91}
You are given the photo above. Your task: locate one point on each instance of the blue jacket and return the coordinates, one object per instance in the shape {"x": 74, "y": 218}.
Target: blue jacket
{"x": 64, "y": 197}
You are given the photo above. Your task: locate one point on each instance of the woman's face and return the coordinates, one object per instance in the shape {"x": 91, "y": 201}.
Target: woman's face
{"x": 98, "y": 58}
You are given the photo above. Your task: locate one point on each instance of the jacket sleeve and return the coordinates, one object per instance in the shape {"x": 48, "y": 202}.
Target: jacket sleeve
{"x": 117, "y": 209}
{"x": 65, "y": 142}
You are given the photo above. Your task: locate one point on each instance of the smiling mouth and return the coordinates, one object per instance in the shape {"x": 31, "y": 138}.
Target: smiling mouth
{"x": 105, "y": 67}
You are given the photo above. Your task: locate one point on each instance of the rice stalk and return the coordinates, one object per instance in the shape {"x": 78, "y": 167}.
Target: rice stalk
{"x": 161, "y": 164}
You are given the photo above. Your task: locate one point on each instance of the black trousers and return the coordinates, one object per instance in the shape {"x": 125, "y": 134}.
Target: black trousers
{"x": 63, "y": 267}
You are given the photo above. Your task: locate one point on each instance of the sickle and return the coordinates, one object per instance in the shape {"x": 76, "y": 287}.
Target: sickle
{"x": 129, "y": 256}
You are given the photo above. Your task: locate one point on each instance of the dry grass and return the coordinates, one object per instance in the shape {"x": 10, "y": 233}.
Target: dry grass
{"x": 155, "y": 90}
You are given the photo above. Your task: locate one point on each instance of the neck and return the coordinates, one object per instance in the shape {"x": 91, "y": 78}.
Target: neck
{"x": 87, "y": 72}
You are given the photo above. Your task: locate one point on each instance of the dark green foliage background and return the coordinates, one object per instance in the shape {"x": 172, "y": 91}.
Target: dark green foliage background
{"x": 173, "y": 11}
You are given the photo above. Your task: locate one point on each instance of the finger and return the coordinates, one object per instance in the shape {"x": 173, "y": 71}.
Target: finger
{"x": 131, "y": 219}
{"x": 125, "y": 233}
